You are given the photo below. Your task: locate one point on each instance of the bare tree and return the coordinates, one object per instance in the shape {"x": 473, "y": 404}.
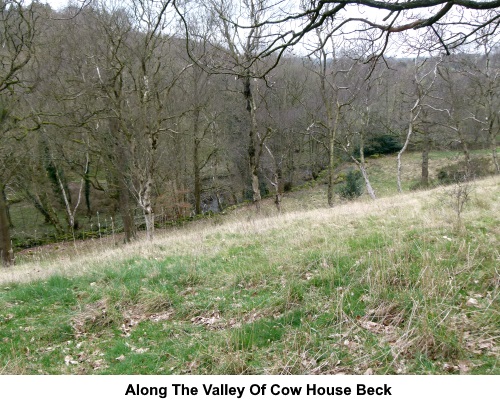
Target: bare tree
{"x": 335, "y": 72}
{"x": 452, "y": 23}
{"x": 424, "y": 129}
{"x": 200, "y": 91}
{"x": 18, "y": 33}
{"x": 136, "y": 78}
{"x": 365, "y": 125}
{"x": 454, "y": 106}
{"x": 285, "y": 117}
{"x": 423, "y": 81}
{"x": 483, "y": 72}
{"x": 237, "y": 49}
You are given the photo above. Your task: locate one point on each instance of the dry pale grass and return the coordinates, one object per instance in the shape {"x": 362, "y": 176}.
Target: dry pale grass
{"x": 427, "y": 207}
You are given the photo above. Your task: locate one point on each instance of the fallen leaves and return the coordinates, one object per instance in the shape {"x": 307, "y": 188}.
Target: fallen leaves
{"x": 211, "y": 320}
{"x": 163, "y": 316}
{"x": 215, "y": 321}
{"x": 84, "y": 360}
{"x": 99, "y": 364}
{"x": 192, "y": 366}
{"x": 481, "y": 345}
{"x": 6, "y": 317}
{"x": 389, "y": 332}
{"x": 135, "y": 315}
{"x": 472, "y": 302}
{"x": 462, "y": 367}
{"x": 69, "y": 360}
{"x": 138, "y": 350}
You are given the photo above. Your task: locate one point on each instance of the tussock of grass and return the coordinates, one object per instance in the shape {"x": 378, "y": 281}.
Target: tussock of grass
{"x": 390, "y": 286}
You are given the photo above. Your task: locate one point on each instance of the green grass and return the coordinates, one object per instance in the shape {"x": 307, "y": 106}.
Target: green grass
{"x": 391, "y": 286}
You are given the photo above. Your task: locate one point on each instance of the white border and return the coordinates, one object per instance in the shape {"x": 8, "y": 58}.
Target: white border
{"x": 90, "y": 390}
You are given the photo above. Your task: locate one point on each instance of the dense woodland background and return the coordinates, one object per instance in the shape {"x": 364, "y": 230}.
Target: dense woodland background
{"x": 122, "y": 117}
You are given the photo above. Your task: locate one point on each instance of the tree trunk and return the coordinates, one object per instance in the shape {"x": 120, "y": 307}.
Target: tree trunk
{"x": 146, "y": 192}
{"x": 9, "y": 218}
{"x": 6, "y": 253}
{"x": 252, "y": 149}
{"x": 197, "y": 180}
{"x": 196, "y": 163}
{"x": 492, "y": 112}
{"x": 468, "y": 164}
{"x": 43, "y": 205}
{"x": 66, "y": 196}
{"x": 279, "y": 188}
{"x": 331, "y": 166}
{"x": 87, "y": 187}
{"x": 220, "y": 205}
{"x": 362, "y": 167}
{"x": 493, "y": 146}
{"x": 494, "y": 154}
{"x": 369, "y": 188}
{"x": 120, "y": 171}
{"x": 126, "y": 212}
{"x": 255, "y": 184}
{"x": 413, "y": 116}
{"x": 147, "y": 207}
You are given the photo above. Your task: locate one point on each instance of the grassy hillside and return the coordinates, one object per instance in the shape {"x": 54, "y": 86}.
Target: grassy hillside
{"x": 398, "y": 285}
{"x": 30, "y": 229}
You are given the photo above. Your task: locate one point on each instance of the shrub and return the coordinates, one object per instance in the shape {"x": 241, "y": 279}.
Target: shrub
{"x": 381, "y": 145}
{"x": 353, "y": 187}
{"x": 457, "y": 172}
{"x": 263, "y": 187}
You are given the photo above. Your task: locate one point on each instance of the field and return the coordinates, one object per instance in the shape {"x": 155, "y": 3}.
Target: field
{"x": 405, "y": 284}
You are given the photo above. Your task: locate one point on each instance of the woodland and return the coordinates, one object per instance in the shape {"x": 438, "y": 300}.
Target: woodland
{"x": 131, "y": 115}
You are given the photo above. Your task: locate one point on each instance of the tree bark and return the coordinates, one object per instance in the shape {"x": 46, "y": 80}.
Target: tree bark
{"x": 493, "y": 146}
{"x": 196, "y": 163}
{"x": 6, "y": 253}
{"x": 331, "y": 166}
{"x": 146, "y": 187}
{"x": 279, "y": 188}
{"x": 120, "y": 172}
{"x": 87, "y": 187}
{"x": 9, "y": 218}
{"x": 492, "y": 135}
{"x": 125, "y": 212}
{"x": 253, "y": 158}
{"x": 493, "y": 114}
{"x": 468, "y": 162}
{"x": 362, "y": 167}
{"x": 414, "y": 112}
{"x": 147, "y": 207}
